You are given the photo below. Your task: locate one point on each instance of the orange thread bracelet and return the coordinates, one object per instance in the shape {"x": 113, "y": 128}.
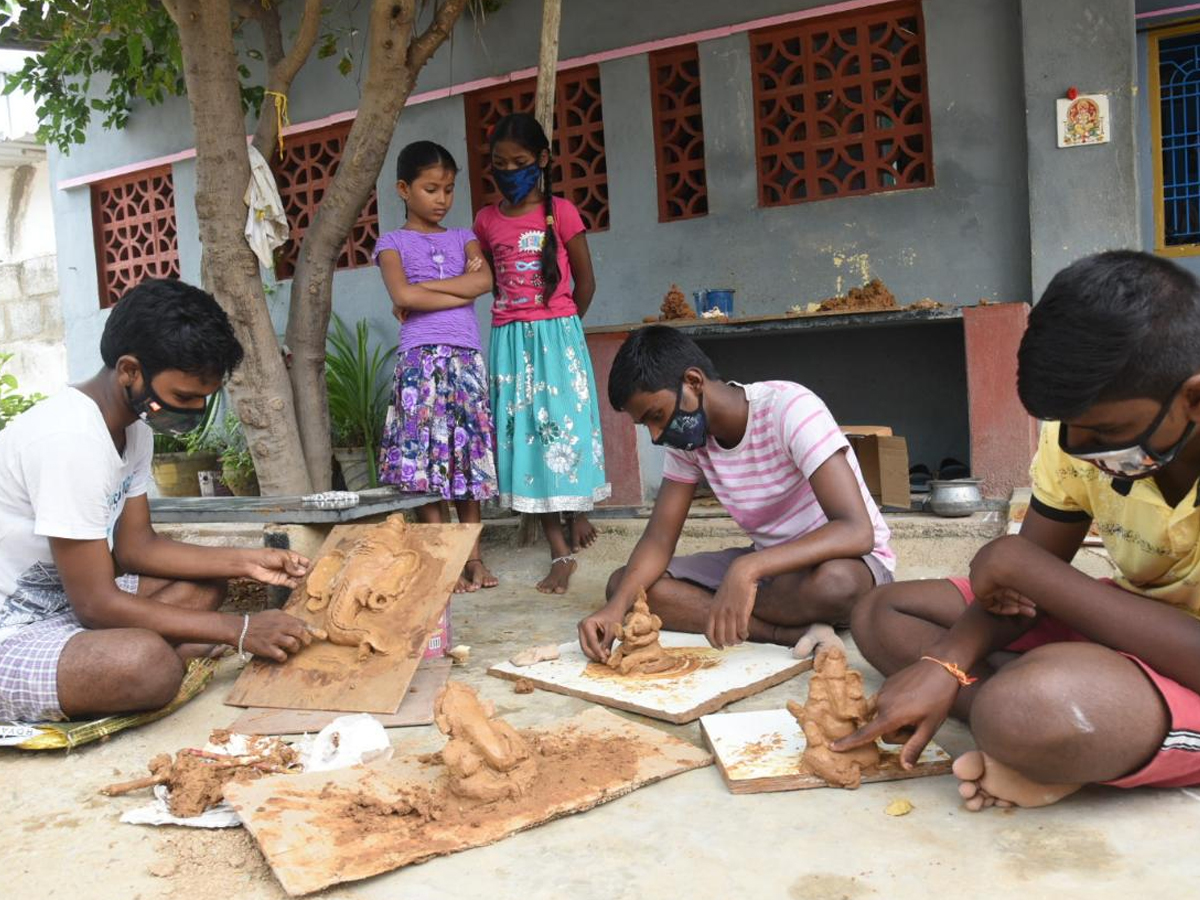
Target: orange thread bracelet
{"x": 959, "y": 675}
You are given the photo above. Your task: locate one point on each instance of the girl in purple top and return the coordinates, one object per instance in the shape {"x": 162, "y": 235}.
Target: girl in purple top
{"x": 439, "y": 433}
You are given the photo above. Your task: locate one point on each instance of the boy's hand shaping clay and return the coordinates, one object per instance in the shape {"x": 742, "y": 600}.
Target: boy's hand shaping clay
{"x": 598, "y": 631}
{"x": 918, "y": 697}
{"x": 276, "y": 635}
{"x": 280, "y": 567}
{"x": 729, "y": 623}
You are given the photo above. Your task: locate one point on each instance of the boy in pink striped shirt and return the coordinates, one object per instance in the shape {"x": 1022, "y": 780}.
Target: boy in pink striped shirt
{"x": 777, "y": 461}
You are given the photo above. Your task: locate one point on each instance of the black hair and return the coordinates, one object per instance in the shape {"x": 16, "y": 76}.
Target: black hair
{"x": 654, "y": 359}
{"x": 1113, "y": 326}
{"x": 169, "y": 324}
{"x": 418, "y": 156}
{"x": 524, "y": 131}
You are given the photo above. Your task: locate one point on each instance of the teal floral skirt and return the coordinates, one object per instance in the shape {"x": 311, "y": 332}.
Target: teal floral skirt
{"x": 549, "y": 452}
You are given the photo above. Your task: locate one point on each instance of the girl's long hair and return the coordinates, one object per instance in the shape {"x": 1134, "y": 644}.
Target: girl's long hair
{"x": 524, "y": 131}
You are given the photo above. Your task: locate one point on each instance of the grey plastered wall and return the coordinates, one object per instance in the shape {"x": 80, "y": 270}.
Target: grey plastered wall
{"x": 1082, "y": 199}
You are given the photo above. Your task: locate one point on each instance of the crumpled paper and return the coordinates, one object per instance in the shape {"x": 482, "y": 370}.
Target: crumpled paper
{"x": 346, "y": 741}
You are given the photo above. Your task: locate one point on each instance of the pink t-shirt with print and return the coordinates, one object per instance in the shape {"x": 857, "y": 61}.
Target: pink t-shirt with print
{"x": 515, "y": 245}
{"x": 763, "y": 482}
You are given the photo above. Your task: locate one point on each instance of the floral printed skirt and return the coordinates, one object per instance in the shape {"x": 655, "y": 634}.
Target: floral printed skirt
{"x": 549, "y": 453}
{"x": 439, "y": 435}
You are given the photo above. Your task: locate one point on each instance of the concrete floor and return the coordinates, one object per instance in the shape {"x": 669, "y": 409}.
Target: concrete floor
{"x": 685, "y": 837}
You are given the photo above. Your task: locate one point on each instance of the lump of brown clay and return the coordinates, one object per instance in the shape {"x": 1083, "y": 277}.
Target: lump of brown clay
{"x": 485, "y": 758}
{"x": 522, "y": 686}
{"x": 639, "y": 652}
{"x": 354, "y": 585}
{"x": 835, "y": 708}
{"x": 872, "y": 296}
{"x": 535, "y": 655}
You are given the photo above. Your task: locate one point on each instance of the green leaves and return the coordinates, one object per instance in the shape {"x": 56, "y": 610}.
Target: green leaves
{"x": 359, "y": 389}
{"x": 98, "y": 61}
{"x": 12, "y": 403}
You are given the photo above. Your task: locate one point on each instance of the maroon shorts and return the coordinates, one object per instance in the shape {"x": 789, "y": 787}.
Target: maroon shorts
{"x": 1177, "y": 763}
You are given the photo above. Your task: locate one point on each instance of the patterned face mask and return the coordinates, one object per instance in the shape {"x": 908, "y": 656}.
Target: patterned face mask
{"x": 1134, "y": 460}
{"x": 160, "y": 415}
{"x": 685, "y": 430}
{"x": 515, "y": 184}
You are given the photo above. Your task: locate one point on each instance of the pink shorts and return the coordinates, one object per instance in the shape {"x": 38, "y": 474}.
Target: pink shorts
{"x": 1177, "y": 763}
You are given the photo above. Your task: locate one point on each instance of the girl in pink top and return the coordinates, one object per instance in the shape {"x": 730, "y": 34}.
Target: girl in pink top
{"x": 549, "y": 454}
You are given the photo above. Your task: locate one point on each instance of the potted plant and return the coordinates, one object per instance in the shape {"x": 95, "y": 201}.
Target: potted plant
{"x": 178, "y": 461}
{"x": 358, "y": 386}
{"x": 237, "y": 466}
{"x": 13, "y": 403}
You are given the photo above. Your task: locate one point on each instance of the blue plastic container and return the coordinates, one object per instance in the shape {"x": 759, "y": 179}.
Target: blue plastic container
{"x": 715, "y": 298}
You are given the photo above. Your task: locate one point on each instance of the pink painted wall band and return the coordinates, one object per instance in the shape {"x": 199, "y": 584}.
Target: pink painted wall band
{"x": 1170, "y": 11}
{"x": 465, "y": 87}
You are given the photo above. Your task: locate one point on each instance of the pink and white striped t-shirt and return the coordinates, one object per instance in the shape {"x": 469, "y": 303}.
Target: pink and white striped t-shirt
{"x": 763, "y": 481}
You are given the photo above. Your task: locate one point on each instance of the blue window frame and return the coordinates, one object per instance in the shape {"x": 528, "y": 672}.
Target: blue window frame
{"x": 1178, "y": 133}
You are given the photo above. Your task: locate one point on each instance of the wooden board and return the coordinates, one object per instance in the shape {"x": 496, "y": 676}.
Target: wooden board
{"x": 760, "y": 751}
{"x": 415, "y": 709}
{"x": 726, "y": 676}
{"x": 326, "y": 676}
{"x": 291, "y": 820}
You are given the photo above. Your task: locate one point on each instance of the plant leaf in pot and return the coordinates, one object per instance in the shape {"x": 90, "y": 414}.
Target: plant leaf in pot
{"x": 359, "y": 389}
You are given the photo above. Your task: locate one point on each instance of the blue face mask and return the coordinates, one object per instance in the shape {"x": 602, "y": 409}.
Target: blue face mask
{"x": 685, "y": 430}
{"x": 515, "y": 184}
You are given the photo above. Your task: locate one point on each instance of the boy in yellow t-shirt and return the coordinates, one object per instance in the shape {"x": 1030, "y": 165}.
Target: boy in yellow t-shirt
{"x": 1067, "y": 680}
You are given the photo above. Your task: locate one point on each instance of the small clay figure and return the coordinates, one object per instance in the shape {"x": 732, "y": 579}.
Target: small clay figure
{"x": 639, "y": 652}
{"x": 486, "y": 759}
{"x": 835, "y": 708}
{"x": 354, "y": 585}
{"x": 675, "y": 306}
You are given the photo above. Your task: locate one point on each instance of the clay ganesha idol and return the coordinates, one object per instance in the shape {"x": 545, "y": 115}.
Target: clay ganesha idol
{"x": 356, "y": 585}
{"x": 836, "y": 707}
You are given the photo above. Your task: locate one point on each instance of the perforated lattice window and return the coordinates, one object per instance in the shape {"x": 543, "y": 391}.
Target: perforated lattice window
{"x": 580, "y": 171}
{"x": 1179, "y": 116}
{"x": 678, "y": 133}
{"x": 309, "y": 162}
{"x": 133, "y": 220}
{"x": 840, "y": 107}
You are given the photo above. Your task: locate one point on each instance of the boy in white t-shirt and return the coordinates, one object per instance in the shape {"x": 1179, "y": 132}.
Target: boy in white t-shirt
{"x": 76, "y": 639}
{"x": 777, "y": 461}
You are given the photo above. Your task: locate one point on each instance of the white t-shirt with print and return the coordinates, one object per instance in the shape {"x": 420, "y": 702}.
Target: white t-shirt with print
{"x": 62, "y": 477}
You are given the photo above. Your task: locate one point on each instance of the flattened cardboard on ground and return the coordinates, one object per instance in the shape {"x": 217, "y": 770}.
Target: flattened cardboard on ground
{"x": 415, "y": 709}
{"x": 884, "y": 463}
{"x": 327, "y": 676}
{"x": 759, "y": 752}
{"x": 720, "y": 678}
{"x": 288, "y": 817}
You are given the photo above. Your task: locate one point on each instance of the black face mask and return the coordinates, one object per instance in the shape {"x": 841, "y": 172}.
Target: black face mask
{"x": 685, "y": 430}
{"x": 160, "y": 415}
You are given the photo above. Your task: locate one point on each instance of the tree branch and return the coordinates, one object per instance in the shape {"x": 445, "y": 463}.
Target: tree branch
{"x": 272, "y": 35}
{"x": 284, "y": 70}
{"x": 432, "y": 37}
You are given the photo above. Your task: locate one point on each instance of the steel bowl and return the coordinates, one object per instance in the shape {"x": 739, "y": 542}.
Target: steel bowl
{"x": 953, "y": 499}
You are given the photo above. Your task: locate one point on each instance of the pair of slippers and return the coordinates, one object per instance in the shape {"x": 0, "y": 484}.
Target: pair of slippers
{"x": 949, "y": 469}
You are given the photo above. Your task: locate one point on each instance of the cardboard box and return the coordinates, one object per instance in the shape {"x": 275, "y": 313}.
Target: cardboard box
{"x": 884, "y": 463}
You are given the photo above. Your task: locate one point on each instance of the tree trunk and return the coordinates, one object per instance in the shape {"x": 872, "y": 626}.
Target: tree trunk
{"x": 543, "y": 104}
{"x": 259, "y": 388}
{"x": 393, "y": 61}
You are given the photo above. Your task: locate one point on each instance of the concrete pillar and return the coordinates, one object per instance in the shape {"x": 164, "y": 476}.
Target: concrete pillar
{"x": 1003, "y": 435}
{"x": 1081, "y": 199}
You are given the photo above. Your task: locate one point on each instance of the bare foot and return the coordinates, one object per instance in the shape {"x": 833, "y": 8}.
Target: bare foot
{"x": 985, "y": 782}
{"x": 583, "y": 533}
{"x": 817, "y": 635}
{"x": 559, "y": 578}
{"x": 479, "y": 575}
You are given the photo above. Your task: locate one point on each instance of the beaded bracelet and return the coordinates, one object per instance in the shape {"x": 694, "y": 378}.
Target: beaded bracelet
{"x": 959, "y": 675}
{"x": 242, "y": 654}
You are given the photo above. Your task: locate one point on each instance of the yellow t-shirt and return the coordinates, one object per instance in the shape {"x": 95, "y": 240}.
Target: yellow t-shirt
{"x": 1156, "y": 547}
